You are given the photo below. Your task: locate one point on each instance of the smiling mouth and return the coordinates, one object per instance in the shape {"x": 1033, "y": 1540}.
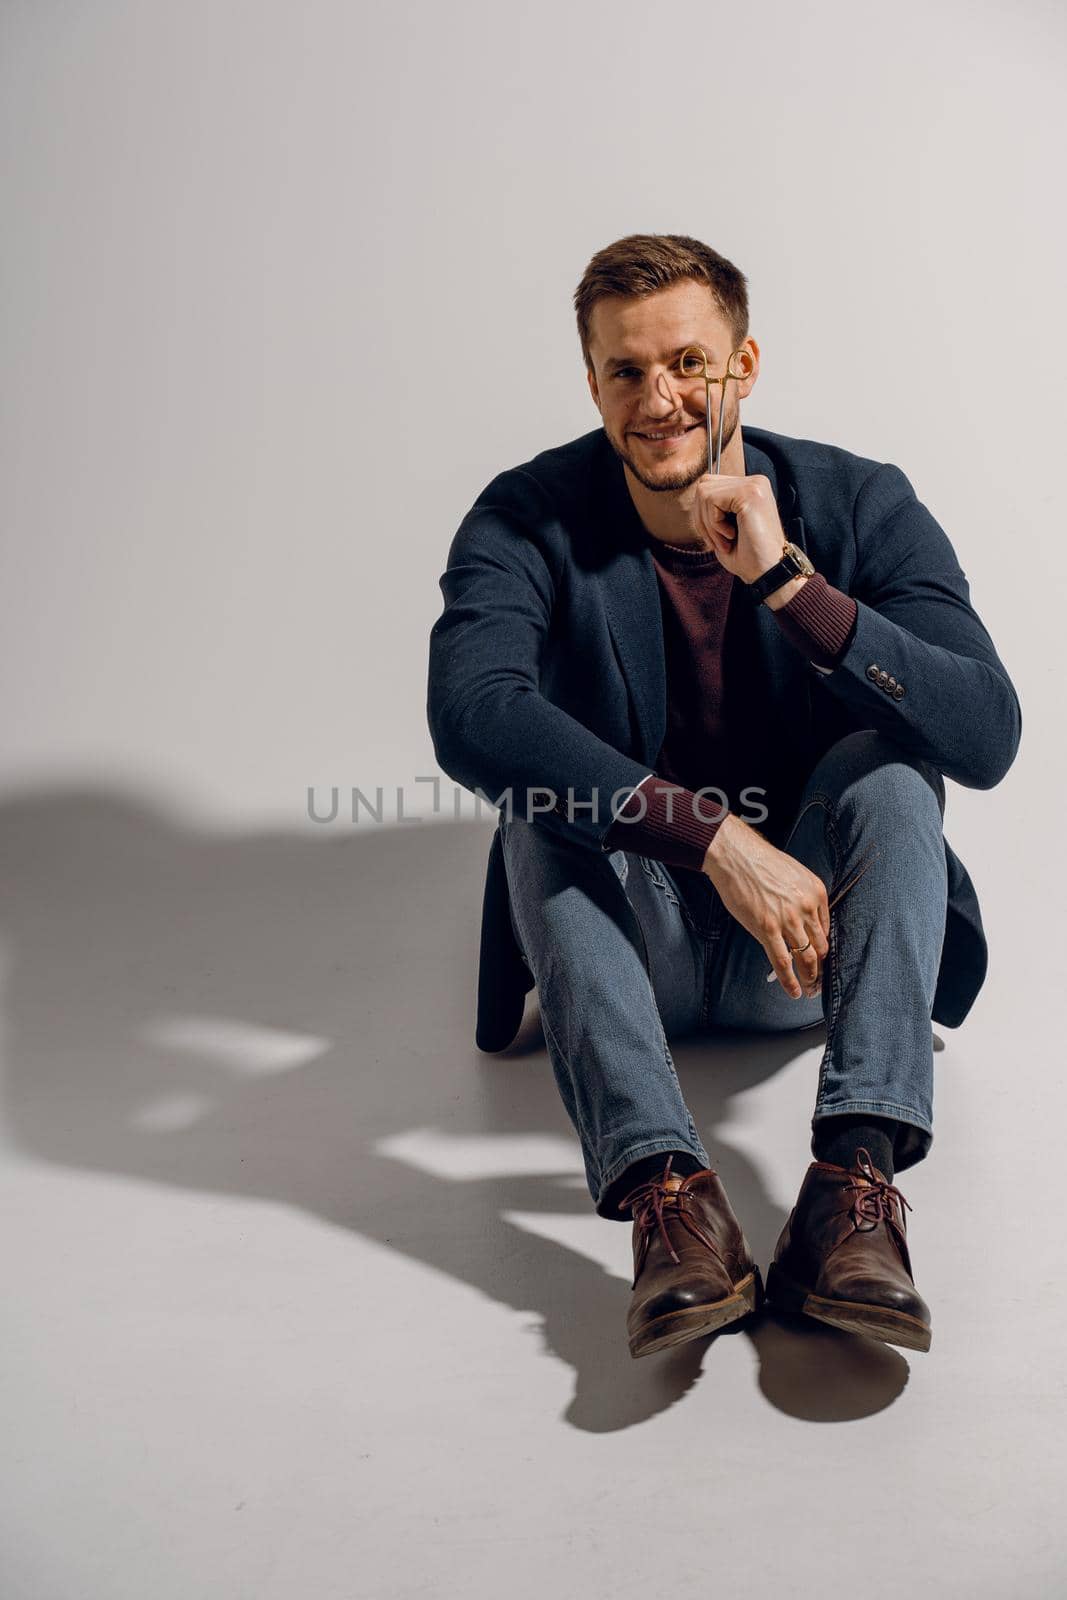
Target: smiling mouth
{"x": 661, "y": 436}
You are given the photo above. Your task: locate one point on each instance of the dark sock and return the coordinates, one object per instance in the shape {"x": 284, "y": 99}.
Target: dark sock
{"x": 683, "y": 1163}
{"x": 837, "y": 1139}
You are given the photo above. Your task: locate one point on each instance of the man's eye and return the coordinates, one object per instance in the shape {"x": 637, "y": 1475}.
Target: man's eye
{"x": 685, "y": 369}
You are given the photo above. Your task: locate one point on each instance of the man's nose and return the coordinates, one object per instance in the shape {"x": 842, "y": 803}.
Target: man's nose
{"x": 661, "y": 398}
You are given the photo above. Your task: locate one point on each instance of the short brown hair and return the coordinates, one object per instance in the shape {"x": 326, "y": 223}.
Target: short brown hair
{"x": 643, "y": 263}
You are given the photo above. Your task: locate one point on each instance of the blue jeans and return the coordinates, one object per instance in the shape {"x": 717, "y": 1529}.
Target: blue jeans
{"x": 627, "y": 953}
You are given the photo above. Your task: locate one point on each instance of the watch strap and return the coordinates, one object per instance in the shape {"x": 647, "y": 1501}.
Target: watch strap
{"x": 794, "y": 563}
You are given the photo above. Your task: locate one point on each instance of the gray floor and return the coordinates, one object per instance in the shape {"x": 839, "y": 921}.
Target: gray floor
{"x": 305, "y": 1297}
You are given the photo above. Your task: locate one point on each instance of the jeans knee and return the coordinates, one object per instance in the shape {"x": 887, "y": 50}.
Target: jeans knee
{"x": 875, "y": 774}
{"x": 557, "y": 884}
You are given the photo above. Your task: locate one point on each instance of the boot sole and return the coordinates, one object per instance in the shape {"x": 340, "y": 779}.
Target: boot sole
{"x": 676, "y": 1327}
{"x": 850, "y": 1316}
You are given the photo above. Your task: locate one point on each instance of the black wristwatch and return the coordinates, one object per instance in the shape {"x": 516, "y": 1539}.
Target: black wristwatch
{"x": 794, "y": 563}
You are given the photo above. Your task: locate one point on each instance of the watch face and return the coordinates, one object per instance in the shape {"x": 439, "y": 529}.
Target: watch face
{"x": 803, "y": 564}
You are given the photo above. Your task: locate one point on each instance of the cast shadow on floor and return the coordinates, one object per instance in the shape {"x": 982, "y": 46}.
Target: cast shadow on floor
{"x": 275, "y": 1014}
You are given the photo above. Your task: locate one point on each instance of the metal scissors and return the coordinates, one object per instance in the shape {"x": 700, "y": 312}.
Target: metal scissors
{"x": 694, "y": 364}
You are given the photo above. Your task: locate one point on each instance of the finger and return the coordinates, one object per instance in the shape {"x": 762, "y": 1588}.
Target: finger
{"x": 712, "y": 518}
{"x": 817, "y": 922}
{"x": 717, "y": 496}
{"x": 778, "y": 955}
{"x": 813, "y": 986}
{"x": 806, "y": 961}
{"x": 705, "y": 510}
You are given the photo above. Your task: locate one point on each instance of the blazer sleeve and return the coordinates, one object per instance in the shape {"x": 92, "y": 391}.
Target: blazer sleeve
{"x": 920, "y": 666}
{"x": 492, "y": 729}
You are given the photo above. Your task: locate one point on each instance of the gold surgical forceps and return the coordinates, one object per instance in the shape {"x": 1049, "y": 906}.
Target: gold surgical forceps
{"x": 694, "y": 364}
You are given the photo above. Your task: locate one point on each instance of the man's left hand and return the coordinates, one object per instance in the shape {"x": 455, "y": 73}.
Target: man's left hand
{"x": 755, "y": 543}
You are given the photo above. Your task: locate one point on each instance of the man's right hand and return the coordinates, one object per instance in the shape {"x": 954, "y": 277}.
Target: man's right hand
{"x": 775, "y": 898}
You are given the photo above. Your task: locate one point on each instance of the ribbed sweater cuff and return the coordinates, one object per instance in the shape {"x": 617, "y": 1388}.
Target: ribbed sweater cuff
{"x": 677, "y": 826}
{"x": 819, "y": 620}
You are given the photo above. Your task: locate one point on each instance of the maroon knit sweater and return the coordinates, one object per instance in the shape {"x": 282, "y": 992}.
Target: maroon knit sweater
{"x": 714, "y": 703}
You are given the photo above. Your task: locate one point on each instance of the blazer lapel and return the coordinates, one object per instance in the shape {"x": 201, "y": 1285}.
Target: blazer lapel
{"x": 632, "y": 604}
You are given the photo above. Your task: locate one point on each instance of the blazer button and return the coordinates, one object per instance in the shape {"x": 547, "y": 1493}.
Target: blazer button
{"x": 883, "y": 679}
{"x": 898, "y": 692}
{"x": 872, "y": 672}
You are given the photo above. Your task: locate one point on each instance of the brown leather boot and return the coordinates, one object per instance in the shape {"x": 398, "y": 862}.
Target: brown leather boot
{"x": 843, "y": 1258}
{"x": 693, "y": 1271}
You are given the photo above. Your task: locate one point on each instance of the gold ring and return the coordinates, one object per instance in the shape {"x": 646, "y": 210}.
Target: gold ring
{"x": 799, "y": 949}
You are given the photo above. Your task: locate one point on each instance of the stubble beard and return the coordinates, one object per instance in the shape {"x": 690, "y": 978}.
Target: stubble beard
{"x": 674, "y": 482}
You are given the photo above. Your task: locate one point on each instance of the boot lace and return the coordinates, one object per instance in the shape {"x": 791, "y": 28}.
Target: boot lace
{"x": 873, "y": 1201}
{"x": 649, "y": 1201}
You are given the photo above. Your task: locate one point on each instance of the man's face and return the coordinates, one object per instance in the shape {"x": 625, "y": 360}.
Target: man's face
{"x": 638, "y": 388}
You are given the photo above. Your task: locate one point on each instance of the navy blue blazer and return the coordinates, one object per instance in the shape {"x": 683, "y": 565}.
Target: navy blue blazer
{"x": 546, "y": 667}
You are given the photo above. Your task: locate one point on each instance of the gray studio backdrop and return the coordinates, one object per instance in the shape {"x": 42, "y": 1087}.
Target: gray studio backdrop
{"x": 284, "y": 286}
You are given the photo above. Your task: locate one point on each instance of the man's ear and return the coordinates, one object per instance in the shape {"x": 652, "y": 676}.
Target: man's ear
{"x": 593, "y": 390}
{"x": 749, "y": 365}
